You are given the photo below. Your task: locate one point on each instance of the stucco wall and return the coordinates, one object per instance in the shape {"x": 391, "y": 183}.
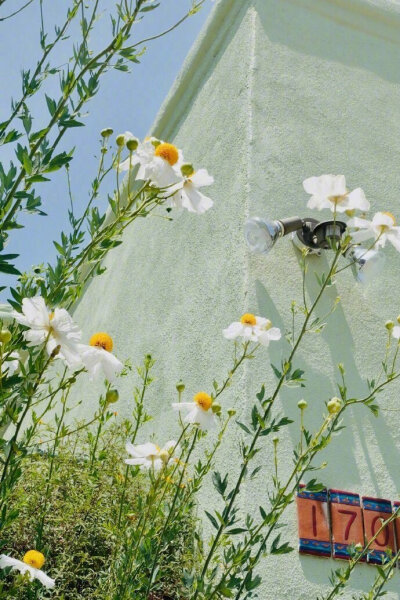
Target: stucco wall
{"x": 275, "y": 91}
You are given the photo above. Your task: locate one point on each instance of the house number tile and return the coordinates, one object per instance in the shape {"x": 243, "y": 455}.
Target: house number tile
{"x": 314, "y": 531}
{"x": 376, "y": 511}
{"x": 347, "y": 522}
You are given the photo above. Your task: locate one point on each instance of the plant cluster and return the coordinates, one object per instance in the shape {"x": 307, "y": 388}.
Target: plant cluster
{"x": 114, "y": 522}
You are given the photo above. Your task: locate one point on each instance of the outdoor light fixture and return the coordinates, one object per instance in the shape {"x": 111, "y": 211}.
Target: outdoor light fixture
{"x": 262, "y": 234}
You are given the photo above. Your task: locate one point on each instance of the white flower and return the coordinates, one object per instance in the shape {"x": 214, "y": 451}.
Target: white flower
{"x": 396, "y": 332}
{"x": 53, "y": 328}
{"x": 188, "y": 195}
{"x": 156, "y": 162}
{"x": 12, "y": 366}
{"x": 26, "y": 566}
{"x": 149, "y": 455}
{"x": 253, "y": 329}
{"x": 329, "y": 191}
{"x": 199, "y": 411}
{"x": 97, "y": 357}
{"x": 97, "y": 361}
{"x": 382, "y": 228}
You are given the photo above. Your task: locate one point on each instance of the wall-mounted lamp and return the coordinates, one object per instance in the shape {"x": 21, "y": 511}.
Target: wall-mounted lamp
{"x": 262, "y": 234}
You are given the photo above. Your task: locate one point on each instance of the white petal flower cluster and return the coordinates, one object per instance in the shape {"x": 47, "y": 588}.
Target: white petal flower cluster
{"x": 150, "y": 456}
{"x": 382, "y": 228}
{"x": 253, "y": 329}
{"x": 62, "y": 336}
{"x": 24, "y": 567}
{"x": 163, "y": 165}
{"x": 330, "y": 191}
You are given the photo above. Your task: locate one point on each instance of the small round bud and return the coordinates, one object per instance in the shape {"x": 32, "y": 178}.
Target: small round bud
{"x": 334, "y": 405}
{"x": 231, "y": 412}
{"x": 302, "y": 404}
{"x": 216, "y": 408}
{"x": 389, "y": 325}
{"x": 358, "y": 547}
{"x": 187, "y": 170}
{"x": 105, "y": 133}
{"x": 180, "y": 387}
{"x": 120, "y": 139}
{"x": 132, "y": 144}
{"x": 112, "y": 396}
{"x": 275, "y": 439}
{"x": 5, "y": 336}
{"x": 103, "y": 150}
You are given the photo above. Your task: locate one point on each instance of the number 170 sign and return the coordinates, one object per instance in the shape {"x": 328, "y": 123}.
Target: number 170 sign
{"x": 331, "y": 522}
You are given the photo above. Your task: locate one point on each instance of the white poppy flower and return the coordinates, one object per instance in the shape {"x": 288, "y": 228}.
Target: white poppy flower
{"x": 156, "y": 162}
{"x": 330, "y": 191}
{"x": 188, "y": 195}
{"x": 199, "y": 411}
{"x": 55, "y": 328}
{"x": 31, "y": 564}
{"x": 97, "y": 357}
{"x": 253, "y": 329}
{"x": 382, "y": 228}
{"x": 147, "y": 456}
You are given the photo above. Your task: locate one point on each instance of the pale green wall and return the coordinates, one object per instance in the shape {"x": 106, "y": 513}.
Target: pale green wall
{"x": 274, "y": 91}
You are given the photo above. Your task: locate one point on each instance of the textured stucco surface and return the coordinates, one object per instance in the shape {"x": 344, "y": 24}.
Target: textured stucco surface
{"x": 274, "y": 91}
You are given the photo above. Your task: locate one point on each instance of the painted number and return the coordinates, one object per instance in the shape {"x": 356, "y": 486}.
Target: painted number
{"x": 314, "y": 520}
{"x": 352, "y": 517}
{"x": 375, "y": 526}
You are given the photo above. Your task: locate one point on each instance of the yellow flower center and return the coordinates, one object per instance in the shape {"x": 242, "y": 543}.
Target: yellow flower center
{"x": 164, "y": 455}
{"x": 102, "y": 340}
{"x": 203, "y": 400}
{"x": 248, "y": 319}
{"x": 389, "y": 214}
{"x": 338, "y": 199}
{"x": 34, "y": 559}
{"x": 168, "y": 152}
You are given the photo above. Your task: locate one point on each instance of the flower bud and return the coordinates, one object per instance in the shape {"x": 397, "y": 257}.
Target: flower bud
{"x": 275, "y": 439}
{"x": 302, "y": 404}
{"x": 120, "y": 140}
{"x": 105, "y": 133}
{"x": 112, "y": 396}
{"x": 5, "y": 336}
{"x": 187, "y": 170}
{"x": 358, "y": 547}
{"x": 216, "y": 408}
{"x": 334, "y": 405}
{"x": 180, "y": 386}
{"x": 389, "y": 325}
{"x": 55, "y": 351}
{"x": 132, "y": 144}
{"x": 231, "y": 412}
{"x": 398, "y": 319}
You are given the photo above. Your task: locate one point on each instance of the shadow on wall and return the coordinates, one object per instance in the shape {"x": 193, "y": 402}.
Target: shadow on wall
{"x": 323, "y": 28}
{"x": 319, "y": 388}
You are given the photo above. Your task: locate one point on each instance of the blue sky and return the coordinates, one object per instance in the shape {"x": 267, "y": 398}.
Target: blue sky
{"x": 127, "y": 101}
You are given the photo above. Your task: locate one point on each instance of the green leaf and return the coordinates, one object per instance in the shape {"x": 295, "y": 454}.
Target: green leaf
{"x": 212, "y": 519}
